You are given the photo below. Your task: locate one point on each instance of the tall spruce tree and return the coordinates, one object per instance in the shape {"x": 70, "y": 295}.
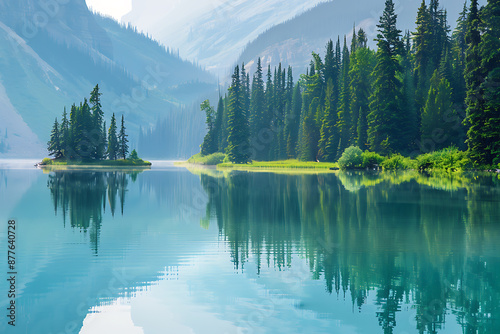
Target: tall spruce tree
{"x": 422, "y": 40}
{"x": 209, "y": 144}
{"x": 362, "y": 66}
{"x": 385, "y": 106}
{"x": 257, "y": 107}
{"x": 113, "y": 148}
{"x": 475, "y": 119}
{"x": 294, "y": 123}
{"x": 64, "y": 134}
{"x": 238, "y": 149}
{"x": 97, "y": 119}
{"x": 54, "y": 144}
{"x": 489, "y": 50}
{"x": 122, "y": 141}
{"x": 218, "y": 125}
{"x": 344, "y": 110}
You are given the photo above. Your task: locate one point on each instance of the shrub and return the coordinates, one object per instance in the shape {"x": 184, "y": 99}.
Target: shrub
{"x": 47, "y": 161}
{"x": 450, "y": 158}
{"x": 397, "y": 161}
{"x": 211, "y": 159}
{"x": 371, "y": 159}
{"x": 133, "y": 155}
{"x": 351, "y": 158}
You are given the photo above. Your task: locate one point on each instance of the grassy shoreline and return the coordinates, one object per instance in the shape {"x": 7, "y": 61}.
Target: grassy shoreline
{"x": 447, "y": 160}
{"x": 103, "y": 163}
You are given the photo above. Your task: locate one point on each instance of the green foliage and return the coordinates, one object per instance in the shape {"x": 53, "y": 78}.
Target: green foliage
{"x": 83, "y": 136}
{"x": 211, "y": 159}
{"x": 446, "y": 159}
{"x": 113, "y": 144}
{"x": 281, "y": 164}
{"x": 398, "y": 162}
{"x": 351, "y": 158}
{"x": 47, "y": 161}
{"x": 134, "y": 155}
{"x": 238, "y": 148}
{"x": 371, "y": 159}
{"x": 402, "y": 98}
{"x": 210, "y": 143}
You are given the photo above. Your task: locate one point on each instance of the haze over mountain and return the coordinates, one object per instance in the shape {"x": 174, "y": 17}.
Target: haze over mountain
{"x": 212, "y": 32}
{"x": 292, "y": 42}
{"x": 52, "y": 56}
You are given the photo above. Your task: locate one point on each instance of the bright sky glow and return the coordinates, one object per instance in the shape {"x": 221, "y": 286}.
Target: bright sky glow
{"x": 114, "y": 8}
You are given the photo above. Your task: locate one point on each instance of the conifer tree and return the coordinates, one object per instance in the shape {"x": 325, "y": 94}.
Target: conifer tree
{"x": 122, "y": 141}
{"x": 64, "y": 134}
{"x": 475, "y": 119}
{"x": 113, "y": 148}
{"x": 209, "y": 145}
{"x": 385, "y": 113}
{"x": 344, "y": 110}
{"x": 238, "y": 138}
{"x": 294, "y": 123}
{"x": 329, "y": 138}
{"x": 97, "y": 119}
{"x": 489, "y": 50}
{"x": 257, "y": 105}
{"x": 363, "y": 62}
{"x": 218, "y": 125}
{"x": 54, "y": 144}
{"x": 422, "y": 40}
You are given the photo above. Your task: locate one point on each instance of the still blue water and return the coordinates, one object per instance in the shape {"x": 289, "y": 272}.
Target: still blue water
{"x": 169, "y": 250}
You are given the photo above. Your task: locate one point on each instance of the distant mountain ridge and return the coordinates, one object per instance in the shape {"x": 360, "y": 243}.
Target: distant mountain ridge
{"x": 212, "y": 32}
{"x": 292, "y": 42}
{"x": 53, "y": 55}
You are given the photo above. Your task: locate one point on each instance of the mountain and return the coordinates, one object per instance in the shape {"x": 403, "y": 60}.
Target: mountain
{"x": 52, "y": 55}
{"x": 212, "y": 32}
{"x": 292, "y": 42}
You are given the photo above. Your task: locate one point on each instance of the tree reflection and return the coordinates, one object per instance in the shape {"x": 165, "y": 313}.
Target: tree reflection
{"x": 82, "y": 197}
{"x": 428, "y": 240}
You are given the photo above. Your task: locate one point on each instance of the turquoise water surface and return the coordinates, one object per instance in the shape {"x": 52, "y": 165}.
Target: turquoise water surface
{"x": 169, "y": 250}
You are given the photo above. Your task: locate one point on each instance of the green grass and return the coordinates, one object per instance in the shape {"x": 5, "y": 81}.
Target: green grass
{"x": 281, "y": 164}
{"x": 209, "y": 160}
{"x": 106, "y": 163}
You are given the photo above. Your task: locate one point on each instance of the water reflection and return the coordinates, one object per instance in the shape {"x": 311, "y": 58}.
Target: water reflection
{"x": 82, "y": 196}
{"x": 427, "y": 240}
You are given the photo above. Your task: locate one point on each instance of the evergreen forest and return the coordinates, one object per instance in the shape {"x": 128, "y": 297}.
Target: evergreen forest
{"x": 84, "y": 137}
{"x": 417, "y": 93}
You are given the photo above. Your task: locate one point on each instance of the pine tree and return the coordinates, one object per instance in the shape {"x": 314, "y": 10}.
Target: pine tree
{"x": 122, "y": 141}
{"x": 489, "y": 50}
{"x": 97, "y": 119}
{"x": 294, "y": 123}
{"x": 385, "y": 114}
{"x": 458, "y": 49}
{"x": 475, "y": 118}
{"x": 105, "y": 141}
{"x": 218, "y": 125}
{"x": 362, "y": 65}
{"x": 113, "y": 148}
{"x": 238, "y": 138}
{"x": 209, "y": 145}
{"x": 436, "y": 132}
{"x": 422, "y": 40}
{"x": 344, "y": 110}
{"x": 329, "y": 138}
{"x": 258, "y": 126}
{"x": 54, "y": 144}
{"x": 64, "y": 134}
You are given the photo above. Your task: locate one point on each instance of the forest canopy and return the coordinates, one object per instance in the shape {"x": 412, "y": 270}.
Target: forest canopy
{"x": 417, "y": 93}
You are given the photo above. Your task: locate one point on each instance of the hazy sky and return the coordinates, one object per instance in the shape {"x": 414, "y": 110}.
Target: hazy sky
{"x": 115, "y": 8}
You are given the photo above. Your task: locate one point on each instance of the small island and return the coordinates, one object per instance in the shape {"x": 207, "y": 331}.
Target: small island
{"x": 83, "y": 140}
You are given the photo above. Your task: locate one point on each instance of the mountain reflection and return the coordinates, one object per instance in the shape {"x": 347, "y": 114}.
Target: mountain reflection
{"x": 431, "y": 241}
{"x": 82, "y": 196}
